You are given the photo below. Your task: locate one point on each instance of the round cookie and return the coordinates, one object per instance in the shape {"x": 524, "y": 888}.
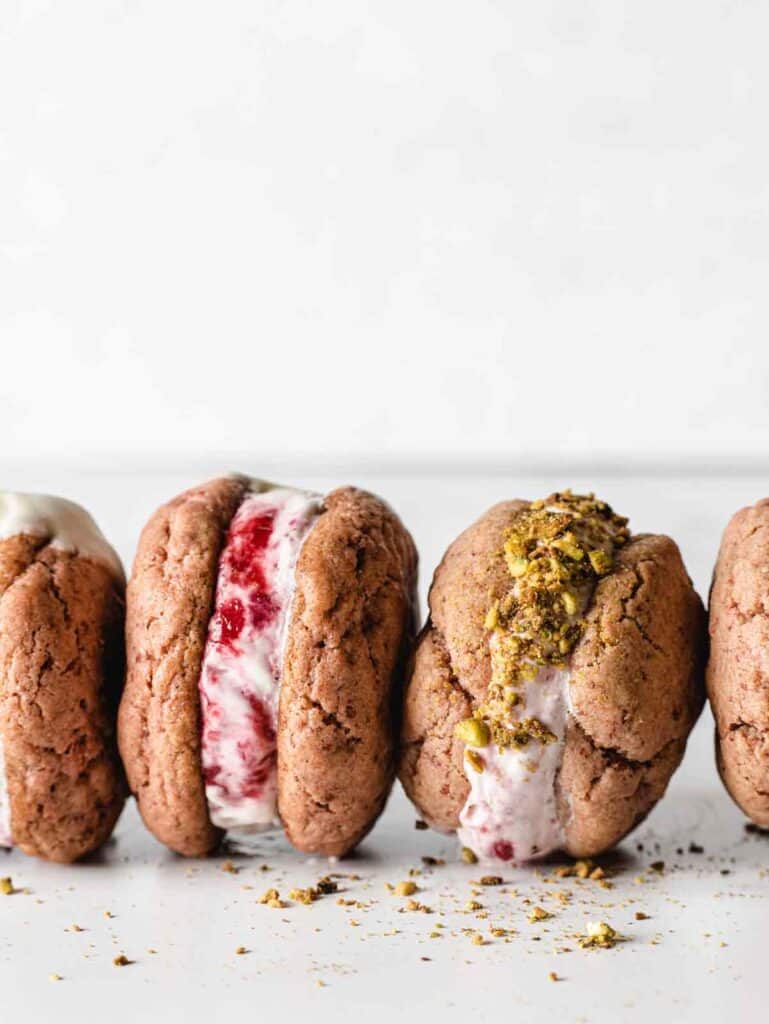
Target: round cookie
{"x": 267, "y": 632}
{"x": 738, "y": 668}
{"x": 617, "y": 702}
{"x": 61, "y": 672}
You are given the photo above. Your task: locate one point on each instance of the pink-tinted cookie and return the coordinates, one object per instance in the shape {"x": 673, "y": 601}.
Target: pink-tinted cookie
{"x": 61, "y": 672}
{"x": 267, "y": 633}
{"x": 738, "y": 668}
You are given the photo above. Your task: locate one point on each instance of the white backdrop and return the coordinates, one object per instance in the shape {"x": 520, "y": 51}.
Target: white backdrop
{"x": 384, "y": 229}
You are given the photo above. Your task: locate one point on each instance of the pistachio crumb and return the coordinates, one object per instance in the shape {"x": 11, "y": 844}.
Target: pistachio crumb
{"x": 305, "y": 896}
{"x": 468, "y": 856}
{"x": 6, "y": 886}
{"x": 599, "y": 934}
{"x": 405, "y": 888}
{"x": 539, "y": 914}
{"x": 490, "y": 880}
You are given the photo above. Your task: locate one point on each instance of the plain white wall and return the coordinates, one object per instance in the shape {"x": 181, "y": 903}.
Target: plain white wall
{"x": 400, "y": 228}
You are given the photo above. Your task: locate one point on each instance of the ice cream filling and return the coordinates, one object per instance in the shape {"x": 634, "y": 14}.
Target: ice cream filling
{"x": 243, "y": 657}
{"x": 64, "y": 525}
{"x": 555, "y": 552}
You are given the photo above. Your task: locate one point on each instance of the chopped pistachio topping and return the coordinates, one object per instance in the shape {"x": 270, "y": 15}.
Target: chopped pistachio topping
{"x": 555, "y": 551}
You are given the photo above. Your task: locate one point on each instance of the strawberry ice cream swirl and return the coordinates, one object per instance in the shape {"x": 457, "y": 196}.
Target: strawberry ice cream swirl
{"x": 243, "y": 657}
{"x": 510, "y": 812}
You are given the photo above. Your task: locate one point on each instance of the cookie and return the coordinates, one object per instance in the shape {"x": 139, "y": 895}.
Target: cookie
{"x": 61, "y": 673}
{"x": 267, "y": 632}
{"x": 738, "y": 667}
{"x": 555, "y": 683}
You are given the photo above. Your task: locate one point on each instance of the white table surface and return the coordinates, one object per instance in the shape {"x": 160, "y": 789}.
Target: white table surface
{"x": 700, "y": 954}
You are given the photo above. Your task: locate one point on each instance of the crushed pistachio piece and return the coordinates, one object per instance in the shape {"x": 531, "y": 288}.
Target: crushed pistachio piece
{"x": 6, "y": 886}
{"x": 405, "y": 888}
{"x": 473, "y": 732}
{"x": 474, "y": 760}
{"x": 599, "y": 934}
{"x": 491, "y": 880}
{"x": 539, "y": 914}
{"x": 601, "y": 561}
{"x": 305, "y": 896}
{"x": 468, "y": 856}
{"x": 325, "y": 886}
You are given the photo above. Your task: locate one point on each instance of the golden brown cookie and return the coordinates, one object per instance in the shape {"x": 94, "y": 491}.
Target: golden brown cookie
{"x": 61, "y": 672}
{"x": 267, "y": 632}
{"x": 738, "y": 669}
{"x": 585, "y": 726}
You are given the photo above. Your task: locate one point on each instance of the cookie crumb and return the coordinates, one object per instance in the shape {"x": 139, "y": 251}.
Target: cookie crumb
{"x": 552, "y": 976}
{"x": 121, "y": 960}
{"x": 240, "y": 951}
{"x": 54, "y": 977}
{"x": 421, "y": 826}
{"x": 491, "y": 880}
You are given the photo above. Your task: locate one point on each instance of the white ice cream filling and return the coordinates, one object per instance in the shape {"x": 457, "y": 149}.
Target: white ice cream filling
{"x": 510, "y": 812}
{"x": 243, "y": 658}
{"x": 68, "y": 527}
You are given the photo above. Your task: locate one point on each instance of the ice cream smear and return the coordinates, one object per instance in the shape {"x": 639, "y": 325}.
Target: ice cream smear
{"x": 243, "y": 657}
{"x": 555, "y": 552}
{"x": 63, "y": 524}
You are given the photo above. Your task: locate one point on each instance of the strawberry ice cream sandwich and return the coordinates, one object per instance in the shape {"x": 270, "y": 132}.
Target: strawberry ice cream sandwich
{"x": 61, "y": 672}
{"x": 267, "y": 632}
{"x": 555, "y": 683}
